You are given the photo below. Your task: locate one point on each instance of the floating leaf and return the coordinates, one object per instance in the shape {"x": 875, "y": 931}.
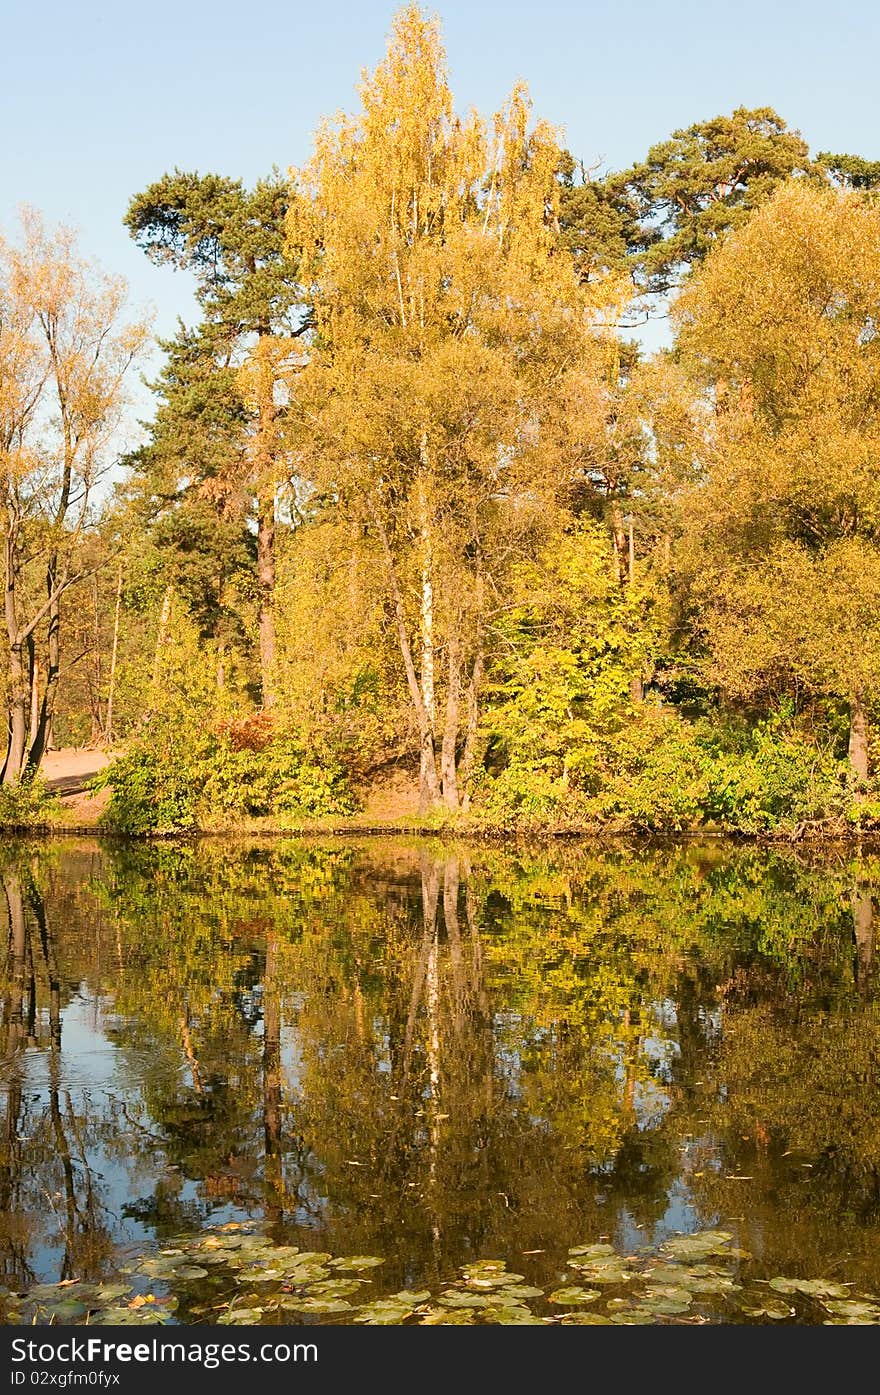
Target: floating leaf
{"x": 492, "y": 1280}
{"x": 108, "y": 1291}
{"x": 701, "y": 1242}
{"x": 349, "y": 1262}
{"x": 665, "y": 1306}
{"x": 817, "y": 1288}
{"x": 600, "y": 1249}
{"x": 384, "y": 1313}
{"x": 632, "y": 1317}
{"x": 451, "y": 1298}
{"x": 612, "y": 1271}
{"x": 191, "y": 1271}
{"x": 66, "y": 1309}
{"x": 512, "y": 1316}
{"x": 769, "y": 1308}
{"x": 332, "y": 1288}
{"x": 854, "y": 1310}
{"x": 241, "y": 1316}
{"x": 307, "y": 1304}
{"x": 675, "y": 1293}
{"x": 574, "y": 1294}
{"x": 698, "y": 1278}
{"x": 586, "y": 1319}
{"x": 446, "y": 1317}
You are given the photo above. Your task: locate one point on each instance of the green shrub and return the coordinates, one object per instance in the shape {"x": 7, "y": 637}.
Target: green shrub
{"x": 28, "y": 805}
{"x": 777, "y": 780}
{"x": 653, "y": 774}
{"x": 235, "y": 770}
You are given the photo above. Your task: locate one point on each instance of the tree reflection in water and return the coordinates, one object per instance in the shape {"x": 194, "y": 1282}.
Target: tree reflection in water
{"x": 434, "y": 1053}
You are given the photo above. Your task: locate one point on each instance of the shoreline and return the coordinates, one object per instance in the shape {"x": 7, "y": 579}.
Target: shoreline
{"x": 803, "y": 836}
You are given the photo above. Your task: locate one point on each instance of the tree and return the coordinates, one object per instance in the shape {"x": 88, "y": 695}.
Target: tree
{"x": 64, "y": 353}
{"x": 670, "y": 209}
{"x": 851, "y": 171}
{"x": 452, "y": 374}
{"x": 191, "y": 499}
{"x": 779, "y": 331}
{"x": 232, "y": 239}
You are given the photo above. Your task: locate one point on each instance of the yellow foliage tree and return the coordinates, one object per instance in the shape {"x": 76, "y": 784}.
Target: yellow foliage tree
{"x": 780, "y": 332}
{"x": 452, "y": 385}
{"x": 64, "y": 353}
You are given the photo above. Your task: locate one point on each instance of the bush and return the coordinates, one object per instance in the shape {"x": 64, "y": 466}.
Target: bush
{"x": 235, "y": 770}
{"x": 778, "y": 780}
{"x": 25, "y": 806}
{"x": 655, "y": 771}
{"x": 654, "y": 774}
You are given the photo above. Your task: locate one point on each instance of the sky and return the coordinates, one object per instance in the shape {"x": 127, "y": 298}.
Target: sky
{"x": 100, "y": 99}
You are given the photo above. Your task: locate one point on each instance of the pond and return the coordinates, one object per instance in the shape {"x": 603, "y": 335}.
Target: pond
{"x": 575, "y": 1084}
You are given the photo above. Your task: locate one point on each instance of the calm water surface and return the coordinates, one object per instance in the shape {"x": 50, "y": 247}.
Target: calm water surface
{"x": 439, "y": 1054}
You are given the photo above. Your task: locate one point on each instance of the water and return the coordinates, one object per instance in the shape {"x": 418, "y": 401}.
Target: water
{"x": 436, "y": 1054}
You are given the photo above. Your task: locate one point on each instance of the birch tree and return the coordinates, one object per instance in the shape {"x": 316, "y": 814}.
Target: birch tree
{"x": 452, "y": 369}
{"x": 64, "y": 353}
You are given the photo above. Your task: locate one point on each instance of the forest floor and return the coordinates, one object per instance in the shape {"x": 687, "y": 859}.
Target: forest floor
{"x": 66, "y": 772}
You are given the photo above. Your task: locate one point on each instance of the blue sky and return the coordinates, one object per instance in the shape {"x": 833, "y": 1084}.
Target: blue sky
{"x": 100, "y": 99}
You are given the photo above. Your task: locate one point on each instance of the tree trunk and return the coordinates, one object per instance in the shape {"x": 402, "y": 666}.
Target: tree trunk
{"x": 114, "y": 653}
{"x": 863, "y": 933}
{"x": 41, "y": 741}
{"x": 619, "y": 538}
{"x": 429, "y": 785}
{"x": 266, "y": 583}
{"x": 273, "y": 1176}
{"x": 469, "y": 754}
{"x": 858, "y": 739}
{"x": 18, "y": 716}
{"x": 448, "y": 773}
{"x": 34, "y": 668}
{"x": 97, "y": 715}
{"x": 162, "y": 636}
{"x": 428, "y": 755}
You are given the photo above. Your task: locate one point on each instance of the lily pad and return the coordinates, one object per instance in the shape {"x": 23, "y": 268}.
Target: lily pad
{"x": 663, "y": 1306}
{"x": 574, "y": 1295}
{"x": 453, "y": 1298}
{"x": 612, "y": 1271}
{"x": 239, "y": 1317}
{"x": 592, "y": 1250}
{"x": 334, "y": 1288}
{"x": 109, "y": 1291}
{"x": 633, "y": 1317}
{"x": 66, "y": 1309}
{"x": 769, "y": 1308}
{"x": 512, "y": 1316}
{"x": 854, "y": 1310}
{"x": 317, "y": 1304}
{"x": 384, "y": 1313}
{"x": 586, "y": 1319}
{"x": 488, "y": 1280}
{"x": 699, "y": 1278}
{"x": 446, "y": 1317}
{"x": 816, "y": 1288}
{"x": 701, "y": 1242}
{"x": 348, "y": 1262}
